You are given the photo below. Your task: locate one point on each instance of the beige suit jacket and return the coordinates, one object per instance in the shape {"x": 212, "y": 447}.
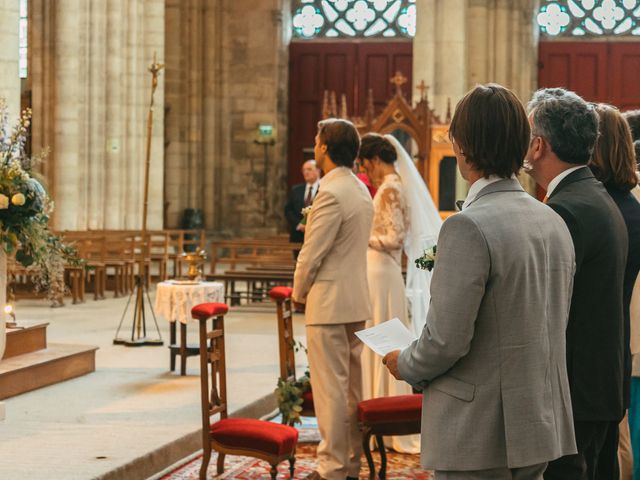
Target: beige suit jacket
{"x": 331, "y": 272}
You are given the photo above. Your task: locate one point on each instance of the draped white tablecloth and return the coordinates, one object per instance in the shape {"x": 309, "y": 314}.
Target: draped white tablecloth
{"x": 175, "y": 301}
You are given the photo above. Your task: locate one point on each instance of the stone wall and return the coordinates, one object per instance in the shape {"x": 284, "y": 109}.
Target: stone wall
{"x": 90, "y": 93}
{"x": 227, "y": 72}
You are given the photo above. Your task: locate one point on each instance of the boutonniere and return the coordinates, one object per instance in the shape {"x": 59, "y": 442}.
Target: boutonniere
{"x": 305, "y": 214}
{"x": 427, "y": 260}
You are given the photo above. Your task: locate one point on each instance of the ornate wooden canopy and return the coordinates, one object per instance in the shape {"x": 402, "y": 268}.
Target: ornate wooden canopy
{"x": 420, "y": 122}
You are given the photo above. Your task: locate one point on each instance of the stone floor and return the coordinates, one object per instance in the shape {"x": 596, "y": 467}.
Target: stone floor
{"x": 132, "y": 417}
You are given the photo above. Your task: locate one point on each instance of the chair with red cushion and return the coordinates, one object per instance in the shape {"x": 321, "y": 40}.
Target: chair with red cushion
{"x": 398, "y": 415}
{"x": 268, "y": 441}
{"x": 282, "y": 297}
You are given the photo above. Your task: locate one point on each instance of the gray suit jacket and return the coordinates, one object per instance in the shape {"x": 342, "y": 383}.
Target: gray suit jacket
{"x": 331, "y": 271}
{"x": 491, "y": 358}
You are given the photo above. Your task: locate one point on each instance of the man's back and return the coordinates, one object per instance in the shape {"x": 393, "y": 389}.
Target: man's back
{"x": 595, "y": 329}
{"x": 331, "y": 270}
{"x": 495, "y": 358}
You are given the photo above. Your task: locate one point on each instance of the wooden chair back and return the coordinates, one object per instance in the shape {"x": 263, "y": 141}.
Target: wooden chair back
{"x": 286, "y": 339}
{"x": 213, "y": 377}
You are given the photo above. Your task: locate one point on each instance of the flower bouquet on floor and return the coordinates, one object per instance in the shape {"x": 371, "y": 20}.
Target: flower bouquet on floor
{"x": 24, "y": 211}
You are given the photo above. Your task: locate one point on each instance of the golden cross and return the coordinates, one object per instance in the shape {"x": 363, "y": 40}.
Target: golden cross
{"x": 423, "y": 88}
{"x": 155, "y": 68}
{"x": 398, "y": 80}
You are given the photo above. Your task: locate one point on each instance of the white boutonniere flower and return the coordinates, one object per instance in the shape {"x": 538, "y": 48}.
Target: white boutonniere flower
{"x": 305, "y": 214}
{"x": 428, "y": 259}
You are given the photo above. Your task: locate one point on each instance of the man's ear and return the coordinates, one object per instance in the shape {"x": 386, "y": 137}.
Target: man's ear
{"x": 539, "y": 148}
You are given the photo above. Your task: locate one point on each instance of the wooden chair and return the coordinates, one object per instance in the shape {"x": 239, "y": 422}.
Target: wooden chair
{"x": 267, "y": 441}
{"x": 282, "y": 297}
{"x": 397, "y": 415}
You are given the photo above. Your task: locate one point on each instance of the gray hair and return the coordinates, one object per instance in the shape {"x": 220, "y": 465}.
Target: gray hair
{"x": 567, "y": 122}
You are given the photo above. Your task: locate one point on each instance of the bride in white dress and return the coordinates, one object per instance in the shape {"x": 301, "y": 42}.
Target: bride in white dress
{"x": 405, "y": 219}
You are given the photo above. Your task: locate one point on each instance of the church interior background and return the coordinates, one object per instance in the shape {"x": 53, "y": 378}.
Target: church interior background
{"x": 243, "y": 86}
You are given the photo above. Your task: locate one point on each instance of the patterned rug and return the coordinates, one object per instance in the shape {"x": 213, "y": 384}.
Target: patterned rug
{"x": 399, "y": 466}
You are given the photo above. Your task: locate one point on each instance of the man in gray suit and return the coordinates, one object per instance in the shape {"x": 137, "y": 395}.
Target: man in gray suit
{"x": 491, "y": 358}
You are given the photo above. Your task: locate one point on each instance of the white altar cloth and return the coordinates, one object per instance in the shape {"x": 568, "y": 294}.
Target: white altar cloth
{"x": 174, "y": 301}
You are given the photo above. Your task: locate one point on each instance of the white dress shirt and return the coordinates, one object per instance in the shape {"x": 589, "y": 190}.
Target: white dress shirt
{"x": 314, "y": 189}
{"x": 478, "y": 185}
{"x": 553, "y": 184}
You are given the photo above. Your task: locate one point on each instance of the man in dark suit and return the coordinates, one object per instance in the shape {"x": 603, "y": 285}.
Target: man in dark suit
{"x": 564, "y": 129}
{"x": 301, "y": 196}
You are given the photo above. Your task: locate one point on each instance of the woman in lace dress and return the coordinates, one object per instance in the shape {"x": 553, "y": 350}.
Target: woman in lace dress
{"x": 384, "y": 265}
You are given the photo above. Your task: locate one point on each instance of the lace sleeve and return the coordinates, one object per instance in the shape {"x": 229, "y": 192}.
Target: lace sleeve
{"x": 390, "y": 219}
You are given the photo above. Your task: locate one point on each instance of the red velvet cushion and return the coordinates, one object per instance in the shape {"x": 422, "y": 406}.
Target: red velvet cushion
{"x": 307, "y": 400}
{"x": 207, "y": 310}
{"x": 401, "y": 408}
{"x": 246, "y": 433}
{"x": 280, "y": 293}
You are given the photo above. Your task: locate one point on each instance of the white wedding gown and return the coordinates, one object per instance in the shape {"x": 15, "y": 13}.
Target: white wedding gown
{"x": 387, "y": 291}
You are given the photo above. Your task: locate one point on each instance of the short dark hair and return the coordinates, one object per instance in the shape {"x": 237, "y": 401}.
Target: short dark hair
{"x": 375, "y": 145}
{"x": 342, "y": 140}
{"x": 614, "y": 160}
{"x": 633, "y": 119}
{"x": 492, "y": 130}
{"x": 566, "y": 122}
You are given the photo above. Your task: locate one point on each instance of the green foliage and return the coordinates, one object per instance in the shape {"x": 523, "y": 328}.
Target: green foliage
{"x": 25, "y": 208}
{"x": 289, "y": 392}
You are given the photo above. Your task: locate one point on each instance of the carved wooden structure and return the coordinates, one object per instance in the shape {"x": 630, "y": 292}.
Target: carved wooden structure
{"x": 420, "y": 122}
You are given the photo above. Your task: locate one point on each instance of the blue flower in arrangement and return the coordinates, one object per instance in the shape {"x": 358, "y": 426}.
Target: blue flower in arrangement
{"x": 25, "y": 207}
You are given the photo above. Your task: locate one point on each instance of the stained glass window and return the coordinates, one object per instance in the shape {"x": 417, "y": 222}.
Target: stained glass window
{"x": 589, "y": 17}
{"x": 354, "y": 18}
{"x": 23, "y": 40}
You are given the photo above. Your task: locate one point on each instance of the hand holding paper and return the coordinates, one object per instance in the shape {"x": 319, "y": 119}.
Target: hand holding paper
{"x": 387, "y": 337}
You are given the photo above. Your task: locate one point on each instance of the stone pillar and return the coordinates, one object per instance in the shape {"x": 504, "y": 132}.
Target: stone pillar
{"x": 90, "y": 93}
{"x": 440, "y": 50}
{"x": 9, "y": 76}
{"x": 10, "y": 91}
{"x": 502, "y": 44}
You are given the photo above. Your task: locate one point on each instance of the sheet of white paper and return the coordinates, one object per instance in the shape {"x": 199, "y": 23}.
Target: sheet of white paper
{"x": 387, "y": 337}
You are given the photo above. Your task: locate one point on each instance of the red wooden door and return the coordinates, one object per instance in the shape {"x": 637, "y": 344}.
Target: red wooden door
{"x": 624, "y": 72}
{"x": 377, "y": 63}
{"x": 314, "y": 68}
{"x": 598, "y": 71}
{"x": 577, "y": 66}
{"x": 351, "y": 68}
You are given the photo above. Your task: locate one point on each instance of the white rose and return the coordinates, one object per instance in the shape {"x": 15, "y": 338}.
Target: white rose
{"x": 18, "y": 199}
{"x": 4, "y": 202}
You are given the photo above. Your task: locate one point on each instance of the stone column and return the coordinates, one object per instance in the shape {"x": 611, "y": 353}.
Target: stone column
{"x": 440, "y": 50}
{"x": 90, "y": 95}
{"x": 10, "y": 91}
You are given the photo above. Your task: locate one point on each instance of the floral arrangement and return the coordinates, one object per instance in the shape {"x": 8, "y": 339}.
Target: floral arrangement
{"x": 428, "y": 259}
{"x": 24, "y": 211}
{"x": 305, "y": 214}
{"x": 289, "y": 393}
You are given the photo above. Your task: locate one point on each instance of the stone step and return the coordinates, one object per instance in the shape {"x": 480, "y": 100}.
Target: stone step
{"x": 30, "y": 337}
{"x": 54, "y": 364}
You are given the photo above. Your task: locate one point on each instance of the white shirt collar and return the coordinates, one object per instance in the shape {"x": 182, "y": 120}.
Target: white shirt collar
{"x": 478, "y": 185}
{"x": 314, "y": 187}
{"x": 553, "y": 184}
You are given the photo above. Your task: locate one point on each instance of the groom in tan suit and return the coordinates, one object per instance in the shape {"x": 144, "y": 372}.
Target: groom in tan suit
{"x": 331, "y": 278}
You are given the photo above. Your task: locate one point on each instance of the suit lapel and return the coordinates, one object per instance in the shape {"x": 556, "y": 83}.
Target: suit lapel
{"x": 575, "y": 176}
